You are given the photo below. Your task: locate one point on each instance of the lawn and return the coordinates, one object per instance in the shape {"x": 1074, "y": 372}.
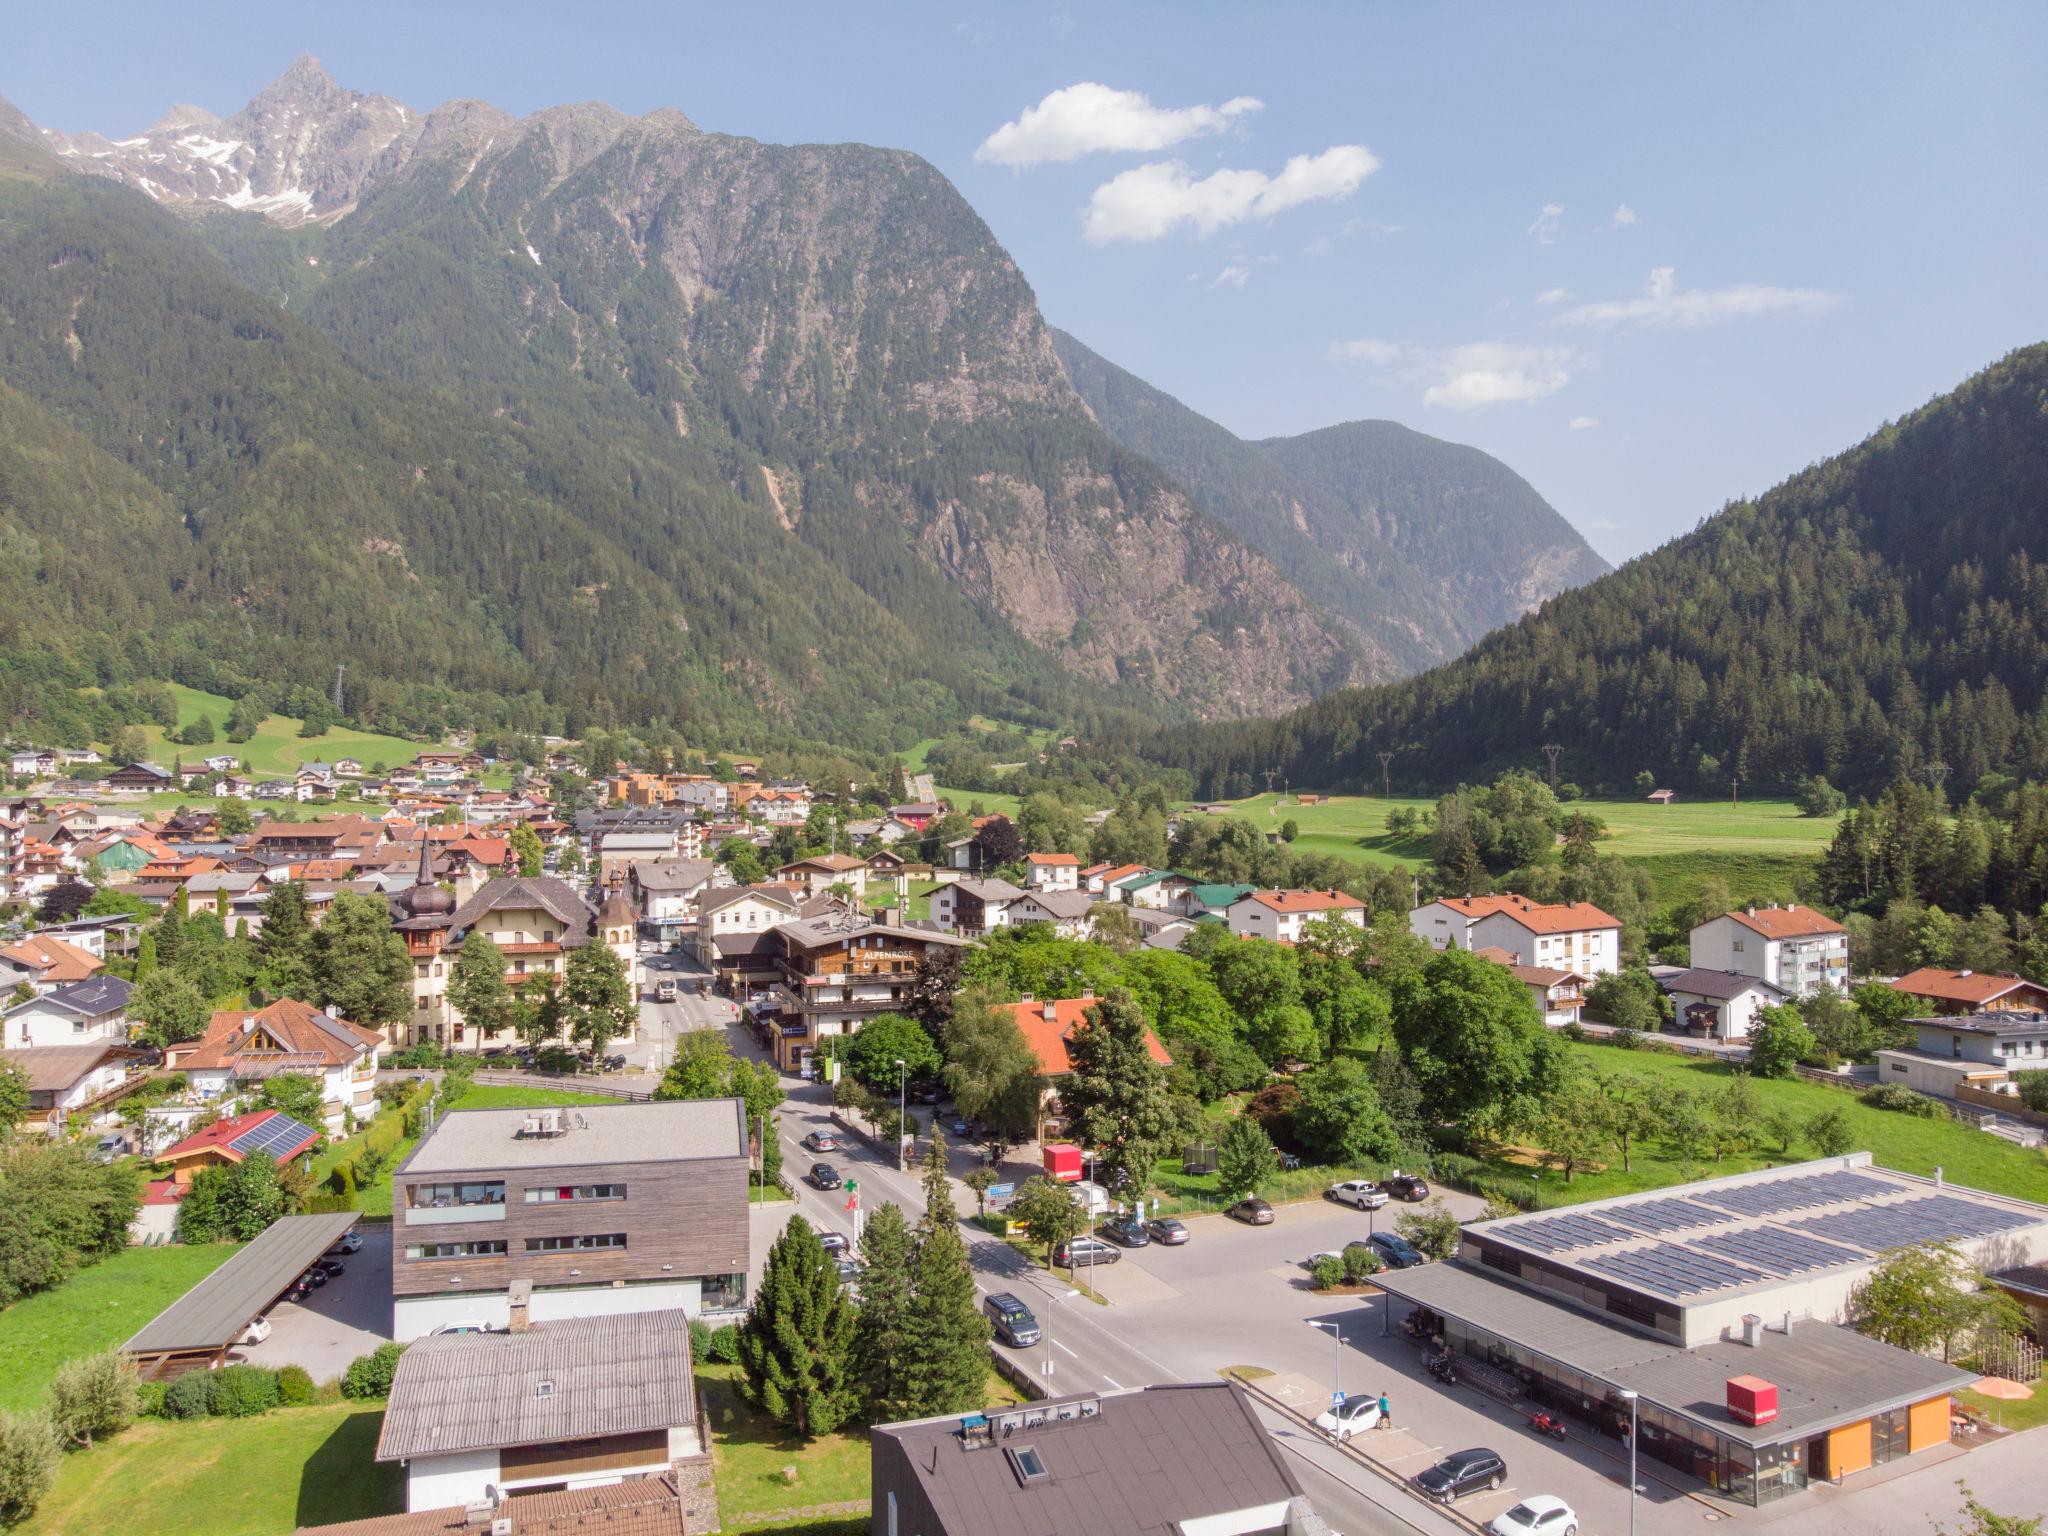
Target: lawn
{"x": 97, "y": 1308}
{"x": 2030, "y": 1414}
{"x": 1904, "y": 1142}
{"x": 225, "y": 1477}
{"x": 277, "y": 748}
{"x": 980, "y": 802}
{"x": 751, "y": 1451}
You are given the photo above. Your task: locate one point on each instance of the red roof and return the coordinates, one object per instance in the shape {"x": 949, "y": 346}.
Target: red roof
{"x": 1536, "y": 916}
{"x": 1050, "y": 858}
{"x": 1787, "y": 922}
{"x": 1305, "y": 901}
{"x": 1048, "y": 1036}
{"x": 54, "y": 959}
{"x": 1976, "y": 987}
{"x": 215, "y": 1138}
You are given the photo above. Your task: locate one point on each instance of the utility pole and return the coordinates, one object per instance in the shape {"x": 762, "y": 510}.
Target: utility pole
{"x": 1937, "y": 775}
{"x": 1733, "y": 796}
{"x": 1550, "y": 750}
{"x": 340, "y": 671}
{"x": 1271, "y": 775}
{"x": 1386, "y": 782}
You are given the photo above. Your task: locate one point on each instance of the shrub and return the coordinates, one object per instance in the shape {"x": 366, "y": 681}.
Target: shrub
{"x": 30, "y": 1448}
{"x": 1903, "y": 1100}
{"x": 149, "y": 1400}
{"x": 94, "y": 1396}
{"x": 725, "y": 1344}
{"x": 1625, "y": 1040}
{"x": 294, "y": 1386}
{"x": 1360, "y": 1263}
{"x": 1509, "y": 1194}
{"x": 190, "y": 1396}
{"x": 1327, "y": 1272}
{"x": 1573, "y": 1032}
{"x": 370, "y": 1375}
{"x": 1456, "y": 1168}
{"x": 700, "y": 1340}
{"x": 2033, "y": 1087}
{"x": 243, "y": 1391}
{"x": 1273, "y": 1108}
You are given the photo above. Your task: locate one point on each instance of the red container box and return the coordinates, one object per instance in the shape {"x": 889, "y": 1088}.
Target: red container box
{"x": 1063, "y": 1161}
{"x": 1752, "y": 1400}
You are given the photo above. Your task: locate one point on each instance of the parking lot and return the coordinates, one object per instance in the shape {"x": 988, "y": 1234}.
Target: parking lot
{"x": 347, "y": 1317}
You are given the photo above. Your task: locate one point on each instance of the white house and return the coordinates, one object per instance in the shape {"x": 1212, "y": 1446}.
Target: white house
{"x": 670, "y": 888}
{"x": 1719, "y": 1005}
{"x": 781, "y": 807}
{"x": 242, "y": 1047}
{"x": 975, "y": 907}
{"x": 1161, "y": 890}
{"x": 1279, "y": 915}
{"x": 62, "y": 1078}
{"x": 1795, "y": 948}
{"x": 1558, "y": 995}
{"x": 87, "y": 1012}
{"x": 1071, "y": 913}
{"x": 1051, "y": 872}
{"x": 1564, "y": 935}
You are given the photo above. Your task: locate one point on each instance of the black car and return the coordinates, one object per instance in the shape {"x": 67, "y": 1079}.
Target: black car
{"x": 334, "y": 1269}
{"x": 1012, "y": 1320}
{"x": 924, "y": 1093}
{"x": 1253, "y": 1213}
{"x": 1125, "y": 1231}
{"x": 1406, "y": 1186}
{"x": 1166, "y": 1231}
{"x": 315, "y": 1277}
{"x": 823, "y": 1176}
{"x": 834, "y": 1243}
{"x": 1462, "y": 1472}
{"x": 1395, "y": 1251}
{"x": 1081, "y": 1252}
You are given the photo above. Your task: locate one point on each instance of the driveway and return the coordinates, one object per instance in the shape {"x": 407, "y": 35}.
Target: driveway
{"x": 346, "y": 1317}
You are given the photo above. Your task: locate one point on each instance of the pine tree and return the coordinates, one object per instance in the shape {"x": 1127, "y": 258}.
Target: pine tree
{"x": 882, "y": 1330}
{"x": 169, "y": 932}
{"x": 1118, "y": 1095}
{"x": 796, "y": 1345}
{"x": 948, "y": 1364}
{"x": 145, "y": 957}
{"x": 939, "y": 1210}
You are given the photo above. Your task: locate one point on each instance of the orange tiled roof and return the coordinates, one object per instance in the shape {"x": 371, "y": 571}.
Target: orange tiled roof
{"x": 1976, "y": 987}
{"x": 1536, "y": 916}
{"x": 287, "y": 1027}
{"x": 1051, "y": 858}
{"x": 1306, "y": 901}
{"x": 1787, "y": 922}
{"x": 56, "y": 960}
{"x": 1048, "y": 1036}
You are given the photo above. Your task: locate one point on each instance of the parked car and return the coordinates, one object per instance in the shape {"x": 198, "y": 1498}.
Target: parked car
{"x": 1356, "y": 1414}
{"x": 1253, "y": 1213}
{"x": 315, "y": 1277}
{"x": 615, "y": 1063}
{"x": 1286, "y": 1159}
{"x": 1408, "y": 1186}
{"x": 1541, "y": 1514}
{"x": 334, "y": 1269}
{"x": 823, "y": 1176}
{"x": 1081, "y": 1252}
{"x": 1460, "y": 1473}
{"x": 957, "y": 1128}
{"x": 1011, "y": 1320}
{"x": 822, "y": 1141}
{"x": 925, "y": 1093}
{"x": 1362, "y": 1193}
{"x": 1166, "y": 1231}
{"x": 849, "y": 1271}
{"x": 257, "y": 1331}
{"x": 1125, "y": 1232}
{"x": 348, "y": 1242}
{"x": 1396, "y": 1251}
{"x": 298, "y": 1290}
{"x": 834, "y": 1243}
{"x": 465, "y": 1325}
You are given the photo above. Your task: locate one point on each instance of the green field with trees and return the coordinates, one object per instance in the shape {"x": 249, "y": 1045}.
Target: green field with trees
{"x": 278, "y": 746}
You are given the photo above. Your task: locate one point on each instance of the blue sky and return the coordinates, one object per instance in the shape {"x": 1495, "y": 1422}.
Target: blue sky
{"x": 1653, "y": 257}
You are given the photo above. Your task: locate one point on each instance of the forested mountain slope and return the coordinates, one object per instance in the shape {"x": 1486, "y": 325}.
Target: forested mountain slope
{"x": 1426, "y": 545}
{"x": 1878, "y": 614}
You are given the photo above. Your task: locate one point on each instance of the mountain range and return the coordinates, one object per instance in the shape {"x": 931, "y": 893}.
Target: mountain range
{"x": 581, "y": 418}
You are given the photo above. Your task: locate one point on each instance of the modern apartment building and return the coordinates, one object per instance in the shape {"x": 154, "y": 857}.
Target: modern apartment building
{"x": 609, "y": 1209}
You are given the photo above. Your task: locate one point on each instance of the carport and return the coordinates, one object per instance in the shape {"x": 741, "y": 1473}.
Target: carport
{"x": 198, "y": 1329}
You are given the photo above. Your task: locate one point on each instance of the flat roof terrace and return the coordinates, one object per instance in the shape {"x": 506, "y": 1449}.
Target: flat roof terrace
{"x": 480, "y": 1140}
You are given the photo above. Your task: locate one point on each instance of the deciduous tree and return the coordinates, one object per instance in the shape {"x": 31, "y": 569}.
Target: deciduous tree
{"x": 360, "y": 964}
{"x": 476, "y": 985}
{"x": 1339, "y": 1118}
{"x": 1244, "y": 1160}
{"x": 1118, "y": 1096}
{"x": 598, "y": 996}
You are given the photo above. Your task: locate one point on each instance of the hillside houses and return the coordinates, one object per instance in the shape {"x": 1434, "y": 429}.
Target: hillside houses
{"x": 1565, "y": 935}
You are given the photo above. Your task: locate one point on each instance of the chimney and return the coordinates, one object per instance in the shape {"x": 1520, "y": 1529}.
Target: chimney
{"x": 1086, "y": 993}
{"x": 1027, "y": 998}
{"x": 1052, "y": 1009}
{"x": 481, "y": 1513}
{"x": 1752, "y": 1330}
{"x": 1788, "y": 1325}
{"x": 1940, "y": 1179}
{"x": 519, "y": 1305}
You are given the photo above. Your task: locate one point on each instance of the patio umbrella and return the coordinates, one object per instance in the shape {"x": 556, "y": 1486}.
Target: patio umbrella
{"x": 2003, "y": 1387}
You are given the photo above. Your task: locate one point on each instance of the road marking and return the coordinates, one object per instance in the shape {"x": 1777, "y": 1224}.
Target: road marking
{"x": 1061, "y": 1346}
{"x": 1114, "y": 1383}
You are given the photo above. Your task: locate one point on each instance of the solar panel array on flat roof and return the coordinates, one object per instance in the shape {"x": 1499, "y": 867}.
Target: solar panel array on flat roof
{"x": 277, "y": 1135}
{"x": 1774, "y": 1195}
{"x": 1556, "y": 1234}
{"x": 1664, "y": 1215}
{"x": 1773, "y": 1248}
{"x": 1913, "y": 1221}
{"x": 1669, "y": 1270}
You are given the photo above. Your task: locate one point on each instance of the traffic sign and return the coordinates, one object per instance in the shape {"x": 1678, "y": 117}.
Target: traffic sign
{"x": 1337, "y": 1399}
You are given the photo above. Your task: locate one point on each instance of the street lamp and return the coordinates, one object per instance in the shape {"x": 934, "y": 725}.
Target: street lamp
{"x": 1632, "y": 1438}
{"x": 1052, "y": 1301}
{"x": 1336, "y": 1354}
{"x": 900, "y": 1110}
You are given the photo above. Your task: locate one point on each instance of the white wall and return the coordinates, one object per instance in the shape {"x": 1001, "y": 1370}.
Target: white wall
{"x": 1589, "y": 951}
{"x": 37, "y": 1023}
{"x": 416, "y": 1316}
{"x": 436, "y": 1482}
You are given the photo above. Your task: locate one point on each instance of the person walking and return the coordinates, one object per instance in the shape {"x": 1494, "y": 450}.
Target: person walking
{"x": 1386, "y": 1412}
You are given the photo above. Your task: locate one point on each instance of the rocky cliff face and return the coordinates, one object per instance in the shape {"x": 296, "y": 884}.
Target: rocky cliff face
{"x": 833, "y": 321}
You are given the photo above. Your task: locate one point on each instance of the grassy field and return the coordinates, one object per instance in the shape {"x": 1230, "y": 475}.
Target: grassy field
{"x": 277, "y": 748}
{"x": 990, "y": 803}
{"x": 95, "y": 1309}
{"x": 1904, "y": 1142}
{"x": 225, "y": 1477}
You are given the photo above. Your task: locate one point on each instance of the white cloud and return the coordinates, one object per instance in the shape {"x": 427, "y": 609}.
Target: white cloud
{"x": 1663, "y": 302}
{"x": 1086, "y": 118}
{"x": 1154, "y": 200}
{"x": 1546, "y": 226}
{"x": 1553, "y": 295}
{"x": 1235, "y": 277}
{"x": 1585, "y": 423}
{"x": 1623, "y": 217}
{"x": 1469, "y": 377}
{"x": 1322, "y": 245}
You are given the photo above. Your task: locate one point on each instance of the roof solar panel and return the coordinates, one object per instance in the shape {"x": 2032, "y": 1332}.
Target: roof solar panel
{"x": 1557, "y": 1234}
{"x": 1669, "y": 1270}
{"x": 1664, "y": 1215}
{"x": 276, "y": 1136}
{"x": 1773, "y": 1248}
{"x": 1913, "y": 1221}
{"x": 1775, "y": 1195}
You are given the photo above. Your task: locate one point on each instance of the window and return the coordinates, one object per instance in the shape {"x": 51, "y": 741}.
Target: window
{"x": 1028, "y": 1464}
{"x": 1737, "y": 946}
{"x": 555, "y": 1192}
{"x": 483, "y": 1248}
{"x": 440, "y": 1197}
{"x": 575, "y": 1244}
{"x": 723, "y": 1293}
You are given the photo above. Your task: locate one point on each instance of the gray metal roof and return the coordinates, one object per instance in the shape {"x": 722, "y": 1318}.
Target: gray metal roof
{"x": 1721, "y": 985}
{"x": 1825, "y": 1375}
{"x": 1064, "y": 905}
{"x": 89, "y": 998}
{"x": 482, "y": 1140}
{"x": 816, "y": 933}
{"x": 673, "y": 874}
{"x": 214, "y": 1312}
{"x": 521, "y": 892}
{"x": 572, "y": 1379}
{"x": 988, "y": 890}
{"x": 1145, "y": 1461}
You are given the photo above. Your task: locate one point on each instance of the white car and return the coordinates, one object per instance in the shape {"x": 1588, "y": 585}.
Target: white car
{"x": 257, "y": 1331}
{"x": 466, "y": 1325}
{"x": 1362, "y": 1193}
{"x": 1540, "y": 1514}
{"x": 348, "y": 1242}
{"x": 1356, "y": 1414}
